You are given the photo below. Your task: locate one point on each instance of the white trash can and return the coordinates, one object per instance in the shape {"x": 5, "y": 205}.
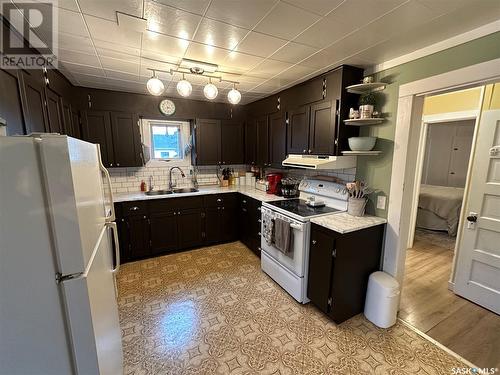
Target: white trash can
{"x": 382, "y": 297}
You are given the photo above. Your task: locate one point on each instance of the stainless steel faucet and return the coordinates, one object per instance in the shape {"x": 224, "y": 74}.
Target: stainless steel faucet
{"x": 151, "y": 186}
{"x": 170, "y": 184}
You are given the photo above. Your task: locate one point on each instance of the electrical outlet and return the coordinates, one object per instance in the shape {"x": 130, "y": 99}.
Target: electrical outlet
{"x": 381, "y": 199}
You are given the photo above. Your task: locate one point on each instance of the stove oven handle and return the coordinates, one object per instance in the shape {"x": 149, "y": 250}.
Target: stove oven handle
{"x": 296, "y": 226}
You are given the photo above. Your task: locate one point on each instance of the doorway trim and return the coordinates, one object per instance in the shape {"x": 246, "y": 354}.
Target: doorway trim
{"x": 422, "y": 147}
{"x": 404, "y": 162}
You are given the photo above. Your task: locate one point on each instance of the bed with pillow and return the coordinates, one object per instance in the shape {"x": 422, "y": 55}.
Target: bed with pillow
{"x": 439, "y": 208}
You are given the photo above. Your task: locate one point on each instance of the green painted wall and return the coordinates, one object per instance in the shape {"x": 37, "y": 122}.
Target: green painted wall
{"x": 376, "y": 171}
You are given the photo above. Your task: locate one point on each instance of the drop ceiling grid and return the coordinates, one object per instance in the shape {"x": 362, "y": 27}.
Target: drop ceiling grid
{"x": 257, "y": 24}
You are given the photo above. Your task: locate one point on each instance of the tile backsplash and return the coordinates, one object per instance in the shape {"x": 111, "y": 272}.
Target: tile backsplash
{"x": 128, "y": 180}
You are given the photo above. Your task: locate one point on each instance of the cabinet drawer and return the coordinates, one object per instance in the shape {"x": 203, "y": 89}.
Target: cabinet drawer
{"x": 162, "y": 205}
{"x": 134, "y": 208}
{"x": 188, "y": 202}
{"x": 227, "y": 200}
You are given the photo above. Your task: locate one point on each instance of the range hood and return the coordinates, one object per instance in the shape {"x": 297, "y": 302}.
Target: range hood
{"x": 319, "y": 162}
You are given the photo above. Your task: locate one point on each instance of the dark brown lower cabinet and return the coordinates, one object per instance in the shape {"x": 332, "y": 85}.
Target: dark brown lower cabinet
{"x": 249, "y": 222}
{"x": 339, "y": 267}
{"x": 160, "y": 226}
{"x": 190, "y": 227}
{"x": 163, "y": 232}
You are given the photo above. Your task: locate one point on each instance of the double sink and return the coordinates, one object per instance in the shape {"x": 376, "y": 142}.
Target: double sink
{"x": 174, "y": 191}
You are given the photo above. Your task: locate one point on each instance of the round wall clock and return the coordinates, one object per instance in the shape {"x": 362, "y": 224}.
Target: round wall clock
{"x": 167, "y": 107}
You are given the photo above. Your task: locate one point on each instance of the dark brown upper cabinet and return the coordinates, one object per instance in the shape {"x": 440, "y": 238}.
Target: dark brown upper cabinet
{"x": 97, "y": 129}
{"x": 232, "y": 138}
{"x": 298, "y": 130}
{"x": 322, "y": 128}
{"x": 126, "y": 140}
{"x": 219, "y": 142}
{"x": 250, "y": 142}
{"x": 277, "y": 139}
{"x": 207, "y": 142}
{"x": 34, "y": 102}
{"x": 11, "y": 108}
{"x": 54, "y": 112}
{"x": 262, "y": 124}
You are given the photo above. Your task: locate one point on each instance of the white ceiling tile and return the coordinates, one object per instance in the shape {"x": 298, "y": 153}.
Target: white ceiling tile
{"x": 315, "y": 35}
{"x": 403, "y": 18}
{"x": 65, "y": 4}
{"x": 108, "y": 8}
{"x": 123, "y": 76}
{"x": 293, "y": 52}
{"x": 286, "y": 21}
{"x": 193, "y": 6}
{"x": 84, "y": 69}
{"x": 120, "y": 65}
{"x": 171, "y": 21}
{"x": 78, "y": 57}
{"x": 241, "y": 61}
{"x": 241, "y": 13}
{"x": 260, "y": 44}
{"x": 269, "y": 68}
{"x": 72, "y": 23}
{"x": 207, "y": 53}
{"x": 109, "y": 31}
{"x": 108, "y": 48}
{"x": 219, "y": 34}
{"x": 447, "y": 6}
{"x": 106, "y": 53}
{"x": 163, "y": 60}
{"x": 320, "y": 7}
{"x": 76, "y": 43}
{"x": 293, "y": 73}
{"x": 164, "y": 44}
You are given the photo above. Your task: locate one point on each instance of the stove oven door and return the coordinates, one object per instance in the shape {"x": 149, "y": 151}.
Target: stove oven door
{"x": 295, "y": 261}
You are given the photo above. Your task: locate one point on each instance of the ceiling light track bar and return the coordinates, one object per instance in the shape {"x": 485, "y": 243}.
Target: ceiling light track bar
{"x": 186, "y": 71}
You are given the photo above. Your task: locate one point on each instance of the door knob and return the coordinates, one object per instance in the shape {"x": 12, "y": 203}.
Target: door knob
{"x": 472, "y": 218}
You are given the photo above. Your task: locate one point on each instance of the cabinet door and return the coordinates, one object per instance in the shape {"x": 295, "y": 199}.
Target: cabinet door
{"x": 190, "y": 227}
{"x": 75, "y": 121}
{"x": 228, "y": 224}
{"x": 277, "y": 139}
{"x": 320, "y": 268}
{"x": 139, "y": 236}
{"x": 34, "y": 103}
{"x": 163, "y": 232}
{"x": 232, "y": 142}
{"x": 54, "y": 112}
{"x": 251, "y": 142}
{"x": 126, "y": 139}
{"x": 10, "y": 102}
{"x": 208, "y": 142}
{"x": 298, "y": 130}
{"x": 97, "y": 129}
{"x": 263, "y": 140}
{"x": 67, "y": 117}
{"x": 322, "y": 129}
{"x": 212, "y": 224}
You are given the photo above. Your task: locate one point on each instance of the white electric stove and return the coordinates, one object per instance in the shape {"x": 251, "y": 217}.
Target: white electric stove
{"x": 290, "y": 270}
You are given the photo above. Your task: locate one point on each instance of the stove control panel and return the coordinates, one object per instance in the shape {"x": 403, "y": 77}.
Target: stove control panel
{"x": 324, "y": 188}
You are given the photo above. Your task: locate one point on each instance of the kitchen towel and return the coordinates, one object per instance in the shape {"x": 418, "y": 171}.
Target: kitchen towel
{"x": 283, "y": 236}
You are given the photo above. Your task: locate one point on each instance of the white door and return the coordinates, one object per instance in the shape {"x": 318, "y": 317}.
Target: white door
{"x": 478, "y": 263}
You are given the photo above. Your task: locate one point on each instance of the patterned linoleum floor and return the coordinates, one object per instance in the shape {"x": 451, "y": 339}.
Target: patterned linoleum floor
{"x": 212, "y": 311}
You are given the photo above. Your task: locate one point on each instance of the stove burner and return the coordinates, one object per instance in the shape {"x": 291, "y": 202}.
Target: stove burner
{"x": 299, "y": 207}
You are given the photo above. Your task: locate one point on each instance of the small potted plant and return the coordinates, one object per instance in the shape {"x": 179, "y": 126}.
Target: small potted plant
{"x": 366, "y": 105}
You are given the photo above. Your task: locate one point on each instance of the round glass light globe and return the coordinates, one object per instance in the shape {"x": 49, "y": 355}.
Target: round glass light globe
{"x": 234, "y": 96}
{"x": 155, "y": 86}
{"x": 184, "y": 88}
{"x": 210, "y": 91}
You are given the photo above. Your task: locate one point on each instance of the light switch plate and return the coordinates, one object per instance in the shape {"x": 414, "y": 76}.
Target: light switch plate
{"x": 381, "y": 199}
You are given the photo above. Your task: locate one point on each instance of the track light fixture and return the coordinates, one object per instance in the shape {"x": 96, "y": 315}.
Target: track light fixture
{"x": 210, "y": 90}
{"x": 234, "y": 96}
{"x": 155, "y": 86}
{"x": 184, "y": 87}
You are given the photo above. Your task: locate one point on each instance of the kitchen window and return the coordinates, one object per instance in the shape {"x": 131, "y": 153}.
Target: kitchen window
{"x": 166, "y": 141}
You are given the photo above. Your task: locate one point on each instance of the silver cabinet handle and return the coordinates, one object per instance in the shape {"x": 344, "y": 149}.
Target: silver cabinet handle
{"x": 135, "y": 208}
{"x": 219, "y": 200}
{"x": 117, "y": 164}
{"x": 259, "y": 221}
{"x": 244, "y": 201}
{"x": 259, "y": 233}
{"x": 314, "y": 242}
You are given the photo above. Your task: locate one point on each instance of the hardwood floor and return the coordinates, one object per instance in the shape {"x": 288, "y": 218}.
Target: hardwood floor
{"x": 426, "y": 303}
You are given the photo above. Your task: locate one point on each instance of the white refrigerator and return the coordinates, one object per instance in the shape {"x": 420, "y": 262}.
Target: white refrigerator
{"x": 58, "y": 302}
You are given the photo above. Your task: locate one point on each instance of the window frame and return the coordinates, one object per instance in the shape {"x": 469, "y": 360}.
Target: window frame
{"x": 181, "y": 143}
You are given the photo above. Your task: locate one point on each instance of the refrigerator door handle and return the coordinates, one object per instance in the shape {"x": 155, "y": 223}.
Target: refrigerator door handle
{"x": 114, "y": 229}
{"x": 111, "y": 217}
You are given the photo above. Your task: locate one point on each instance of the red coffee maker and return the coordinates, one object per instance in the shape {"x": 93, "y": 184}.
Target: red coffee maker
{"x": 272, "y": 182}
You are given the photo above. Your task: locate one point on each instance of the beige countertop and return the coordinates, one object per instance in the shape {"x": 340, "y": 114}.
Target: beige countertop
{"x": 203, "y": 190}
{"x": 345, "y": 223}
